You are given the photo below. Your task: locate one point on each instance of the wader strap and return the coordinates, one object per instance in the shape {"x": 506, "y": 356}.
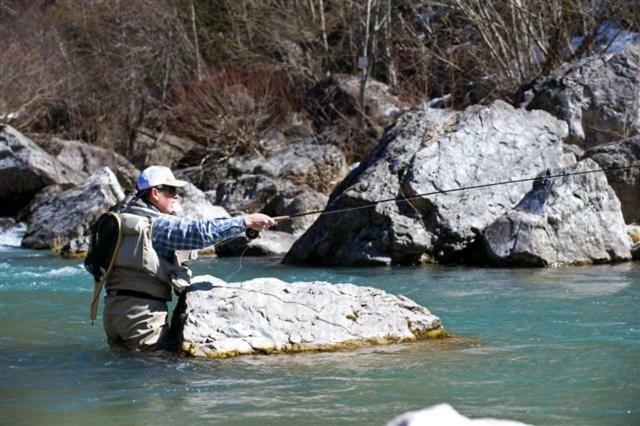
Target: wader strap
{"x": 97, "y": 286}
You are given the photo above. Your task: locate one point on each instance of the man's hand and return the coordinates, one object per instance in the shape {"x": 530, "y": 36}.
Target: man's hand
{"x": 258, "y": 221}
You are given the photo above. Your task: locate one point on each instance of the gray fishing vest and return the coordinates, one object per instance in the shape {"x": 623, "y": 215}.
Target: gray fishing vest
{"x": 138, "y": 267}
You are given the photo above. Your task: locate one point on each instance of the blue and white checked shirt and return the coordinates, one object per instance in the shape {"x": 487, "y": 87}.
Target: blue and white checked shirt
{"x": 170, "y": 233}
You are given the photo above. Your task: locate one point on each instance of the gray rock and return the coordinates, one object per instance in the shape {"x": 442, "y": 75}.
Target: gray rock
{"x": 151, "y": 148}
{"x": 25, "y": 169}
{"x": 194, "y": 203}
{"x": 626, "y": 183}
{"x": 339, "y": 96}
{"x": 44, "y": 195}
{"x": 266, "y": 315}
{"x": 599, "y": 97}
{"x": 268, "y": 243}
{"x": 57, "y": 221}
{"x": 87, "y": 158}
{"x": 318, "y": 166}
{"x": 427, "y": 151}
{"x": 275, "y": 197}
{"x": 249, "y": 193}
{"x": 561, "y": 221}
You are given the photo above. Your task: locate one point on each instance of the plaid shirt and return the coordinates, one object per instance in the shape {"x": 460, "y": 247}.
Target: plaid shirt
{"x": 170, "y": 233}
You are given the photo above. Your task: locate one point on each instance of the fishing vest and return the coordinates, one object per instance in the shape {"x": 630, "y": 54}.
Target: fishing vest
{"x": 137, "y": 266}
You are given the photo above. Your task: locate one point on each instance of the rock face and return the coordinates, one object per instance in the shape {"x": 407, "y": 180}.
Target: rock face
{"x": 318, "y": 166}
{"x": 25, "y": 169}
{"x": 626, "y": 183}
{"x": 160, "y": 149}
{"x": 445, "y": 415}
{"x": 427, "y": 151}
{"x": 268, "y": 243}
{"x": 599, "y": 97}
{"x": 194, "y": 203}
{"x": 266, "y": 315}
{"x": 275, "y": 197}
{"x": 89, "y": 159}
{"x": 568, "y": 220}
{"x": 62, "y": 218}
{"x": 338, "y": 96}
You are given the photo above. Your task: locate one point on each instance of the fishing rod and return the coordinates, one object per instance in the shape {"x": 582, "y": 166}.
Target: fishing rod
{"x": 444, "y": 191}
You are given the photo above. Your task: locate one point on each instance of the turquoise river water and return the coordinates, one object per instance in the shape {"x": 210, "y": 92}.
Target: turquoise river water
{"x": 543, "y": 346}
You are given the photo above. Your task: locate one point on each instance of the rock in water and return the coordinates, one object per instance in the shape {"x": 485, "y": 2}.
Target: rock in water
{"x": 25, "y": 169}
{"x": 64, "y": 217}
{"x": 429, "y": 151}
{"x": 446, "y": 415}
{"x": 568, "y": 220}
{"x": 217, "y": 319}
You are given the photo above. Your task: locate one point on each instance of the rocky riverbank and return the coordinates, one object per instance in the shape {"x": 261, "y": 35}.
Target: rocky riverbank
{"x": 59, "y": 187}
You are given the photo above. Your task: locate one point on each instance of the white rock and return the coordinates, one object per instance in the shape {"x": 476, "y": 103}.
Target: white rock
{"x": 445, "y": 415}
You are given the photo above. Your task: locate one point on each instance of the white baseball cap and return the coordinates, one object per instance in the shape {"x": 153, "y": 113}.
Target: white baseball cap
{"x": 156, "y": 176}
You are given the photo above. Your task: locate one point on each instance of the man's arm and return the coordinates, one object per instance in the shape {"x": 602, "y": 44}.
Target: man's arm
{"x": 170, "y": 233}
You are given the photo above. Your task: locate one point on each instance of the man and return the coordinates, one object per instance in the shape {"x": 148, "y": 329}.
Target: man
{"x": 150, "y": 256}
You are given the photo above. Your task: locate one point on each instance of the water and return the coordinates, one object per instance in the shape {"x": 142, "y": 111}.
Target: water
{"x": 555, "y": 346}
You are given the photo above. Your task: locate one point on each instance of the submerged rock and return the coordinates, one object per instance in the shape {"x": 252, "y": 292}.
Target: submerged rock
{"x": 626, "y": 183}
{"x": 445, "y": 415}
{"x": 265, "y": 315}
{"x": 597, "y": 96}
{"x": 69, "y": 215}
{"x": 25, "y": 169}
{"x": 429, "y": 151}
{"x": 567, "y": 220}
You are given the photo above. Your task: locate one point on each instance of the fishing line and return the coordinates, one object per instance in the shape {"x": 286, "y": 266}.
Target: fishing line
{"x": 408, "y": 200}
{"x": 446, "y": 191}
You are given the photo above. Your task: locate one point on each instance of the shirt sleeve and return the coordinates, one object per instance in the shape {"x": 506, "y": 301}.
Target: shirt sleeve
{"x": 170, "y": 233}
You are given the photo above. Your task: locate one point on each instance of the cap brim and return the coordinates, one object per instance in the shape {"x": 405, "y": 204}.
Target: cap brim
{"x": 178, "y": 183}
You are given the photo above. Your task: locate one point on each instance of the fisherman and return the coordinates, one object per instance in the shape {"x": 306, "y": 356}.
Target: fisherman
{"x": 149, "y": 259}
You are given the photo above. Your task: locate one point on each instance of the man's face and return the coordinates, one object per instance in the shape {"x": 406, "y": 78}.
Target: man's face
{"x": 164, "y": 198}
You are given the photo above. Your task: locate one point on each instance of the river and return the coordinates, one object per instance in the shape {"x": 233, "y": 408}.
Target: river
{"x": 543, "y": 346}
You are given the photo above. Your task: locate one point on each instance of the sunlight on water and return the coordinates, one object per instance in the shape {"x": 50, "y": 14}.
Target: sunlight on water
{"x": 554, "y": 346}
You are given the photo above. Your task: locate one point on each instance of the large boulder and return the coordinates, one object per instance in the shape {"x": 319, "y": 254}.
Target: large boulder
{"x": 626, "y": 183}
{"x": 318, "y": 166}
{"x": 25, "y": 169}
{"x": 265, "y": 315}
{"x": 562, "y": 221}
{"x": 430, "y": 151}
{"x": 599, "y": 96}
{"x": 161, "y": 149}
{"x": 62, "y": 218}
{"x": 89, "y": 159}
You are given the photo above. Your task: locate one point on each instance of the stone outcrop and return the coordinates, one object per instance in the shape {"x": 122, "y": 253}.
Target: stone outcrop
{"x": 265, "y": 315}
{"x": 162, "y": 149}
{"x": 626, "y": 183}
{"x": 445, "y": 414}
{"x": 339, "y": 96}
{"x": 25, "y": 169}
{"x": 599, "y": 96}
{"x": 194, "y": 203}
{"x": 275, "y": 197}
{"x": 430, "y": 151}
{"x": 318, "y": 166}
{"x": 566, "y": 220}
{"x": 69, "y": 215}
{"x": 268, "y": 243}
{"x": 87, "y": 158}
